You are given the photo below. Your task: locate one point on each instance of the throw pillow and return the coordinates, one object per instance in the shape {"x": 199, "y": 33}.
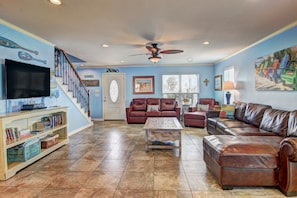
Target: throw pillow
{"x": 227, "y": 111}
{"x": 202, "y": 107}
{"x": 152, "y": 108}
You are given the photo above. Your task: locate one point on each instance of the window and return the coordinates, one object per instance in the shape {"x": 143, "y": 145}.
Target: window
{"x": 114, "y": 91}
{"x": 229, "y": 76}
{"x": 184, "y": 88}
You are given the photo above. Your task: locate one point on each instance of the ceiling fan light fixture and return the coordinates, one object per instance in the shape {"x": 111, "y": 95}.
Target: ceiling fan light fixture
{"x": 56, "y": 2}
{"x": 154, "y": 59}
{"x": 104, "y": 45}
{"x": 206, "y": 43}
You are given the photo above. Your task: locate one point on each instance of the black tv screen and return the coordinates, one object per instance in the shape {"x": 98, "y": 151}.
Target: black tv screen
{"x": 25, "y": 80}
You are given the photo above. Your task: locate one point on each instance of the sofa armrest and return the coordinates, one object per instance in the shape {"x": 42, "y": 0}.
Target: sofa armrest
{"x": 192, "y": 109}
{"x": 128, "y": 109}
{"x": 288, "y": 147}
{"x": 212, "y": 113}
{"x": 288, "y": 166}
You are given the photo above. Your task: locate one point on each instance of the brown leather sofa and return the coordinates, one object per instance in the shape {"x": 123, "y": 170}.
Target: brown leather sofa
{"x": 256, "y": 148}
{"x": 141, "y": 108}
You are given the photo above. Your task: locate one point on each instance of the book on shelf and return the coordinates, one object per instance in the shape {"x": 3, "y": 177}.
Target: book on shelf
{"x": 12, "y": 134}
{"x": 25, "y": 133}
{"x": 57, "y": 120}
{"x": 35, "y": 132}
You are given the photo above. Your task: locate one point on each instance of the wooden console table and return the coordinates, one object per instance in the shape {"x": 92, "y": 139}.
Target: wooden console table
{"x": 164, "y": 130}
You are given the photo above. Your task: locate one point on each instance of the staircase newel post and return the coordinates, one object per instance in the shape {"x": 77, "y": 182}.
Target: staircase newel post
{"x": 89, "y": 112}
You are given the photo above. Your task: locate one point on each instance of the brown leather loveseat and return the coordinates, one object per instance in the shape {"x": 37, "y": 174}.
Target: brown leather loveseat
{"x": 141, "y": 108}
{"x": 256, "y": 148}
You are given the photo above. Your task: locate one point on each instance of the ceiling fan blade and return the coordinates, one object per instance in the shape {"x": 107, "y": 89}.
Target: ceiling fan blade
{"x": 140, "y": 54}
{"x": 152, "y": 49}
{"x": 171, "y": 51}
{"x": 149, "y": 48}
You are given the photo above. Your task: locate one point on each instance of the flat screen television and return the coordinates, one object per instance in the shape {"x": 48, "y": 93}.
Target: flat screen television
{"x": 24, "y": 80}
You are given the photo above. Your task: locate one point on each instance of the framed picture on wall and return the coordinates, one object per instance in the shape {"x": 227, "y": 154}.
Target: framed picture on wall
{"x": 218, "y": 82}
{"x": 90, "y": 83}
{"x": 143, "y": 85}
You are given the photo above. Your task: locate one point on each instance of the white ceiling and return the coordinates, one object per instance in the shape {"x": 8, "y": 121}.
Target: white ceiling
{"x": 81, "y": 26}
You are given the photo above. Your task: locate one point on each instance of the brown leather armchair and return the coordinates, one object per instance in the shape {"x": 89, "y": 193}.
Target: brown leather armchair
{"x": 197, "y": 117}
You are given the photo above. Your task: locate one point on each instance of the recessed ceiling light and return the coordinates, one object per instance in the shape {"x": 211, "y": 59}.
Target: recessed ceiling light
{"x": 206, "y": 43}
{"x": 122, "y": 61}
{"x": 104, "y": 45}
{"x": 56, "y": 2}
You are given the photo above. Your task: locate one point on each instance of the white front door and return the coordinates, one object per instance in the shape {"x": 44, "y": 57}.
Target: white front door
{"x": 114, "y": 96}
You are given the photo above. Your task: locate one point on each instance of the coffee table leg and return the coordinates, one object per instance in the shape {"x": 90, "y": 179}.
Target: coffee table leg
{"x": 146, "y": 141}
{"x": 180, "y": 143}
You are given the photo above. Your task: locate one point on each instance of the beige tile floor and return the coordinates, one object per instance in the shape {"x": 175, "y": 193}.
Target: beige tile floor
{"x": 109, "y": 160}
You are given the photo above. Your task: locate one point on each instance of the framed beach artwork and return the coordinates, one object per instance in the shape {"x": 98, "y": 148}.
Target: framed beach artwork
{"x": 143, "y": 85}
{"x": 277, "y": 71}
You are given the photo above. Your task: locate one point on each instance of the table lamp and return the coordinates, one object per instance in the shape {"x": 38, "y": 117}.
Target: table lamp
{"x": 228, "y": 85}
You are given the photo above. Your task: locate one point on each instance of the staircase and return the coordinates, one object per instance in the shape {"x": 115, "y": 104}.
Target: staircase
{"x": 69, "y": 80}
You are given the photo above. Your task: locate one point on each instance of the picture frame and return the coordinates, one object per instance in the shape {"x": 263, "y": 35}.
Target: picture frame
{"x": 218, "y": 83}
{"x": 90, "y": 83}
{"x": 143, "y": 84}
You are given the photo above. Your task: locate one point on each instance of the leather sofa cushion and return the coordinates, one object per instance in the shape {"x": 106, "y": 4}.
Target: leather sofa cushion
{"x": 292, "y": 124}
{"x": 248, "y": 131}
{"x": 139, "y": 104}
{"x": 153, "y": 114}
{"x": 168, "y": 113}
{"x": 195, "y": 115}
{"x": 254, "y": 113}
{"x": 168, "y": 104}
{"x": 243, "y": 151}
{"x": 153, "y": 101}
{"x": 224, "y": 124}
{"x": 239, "y": 110}
{"x": 214, "y": 120}
{"x": 137, "y": 114}
{"x": 275, "y": 121}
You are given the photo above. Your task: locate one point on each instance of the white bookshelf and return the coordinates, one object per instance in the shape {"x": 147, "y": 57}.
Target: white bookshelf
{"x": 25, "y": 120}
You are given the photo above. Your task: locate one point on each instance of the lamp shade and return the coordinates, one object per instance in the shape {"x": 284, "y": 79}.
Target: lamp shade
{"x": 228, "y": 85}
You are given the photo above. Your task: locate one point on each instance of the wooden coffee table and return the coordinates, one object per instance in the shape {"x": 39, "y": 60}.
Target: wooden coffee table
{"x": 163, "y": 130}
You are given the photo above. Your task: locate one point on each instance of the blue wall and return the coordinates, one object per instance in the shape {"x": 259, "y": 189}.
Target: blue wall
{"x": 45, "y": 58}
{"x": 243, "y": 63}
{"x": 245, "y": 72}
{"x": 205, "y": 72}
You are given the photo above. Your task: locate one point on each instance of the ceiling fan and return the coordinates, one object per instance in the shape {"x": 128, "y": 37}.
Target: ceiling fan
{"x": 156, "y": 51}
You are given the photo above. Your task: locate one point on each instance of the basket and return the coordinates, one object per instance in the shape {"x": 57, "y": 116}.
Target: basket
{"x": 49, "y": 141}
{"x": 22, "y": 154}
